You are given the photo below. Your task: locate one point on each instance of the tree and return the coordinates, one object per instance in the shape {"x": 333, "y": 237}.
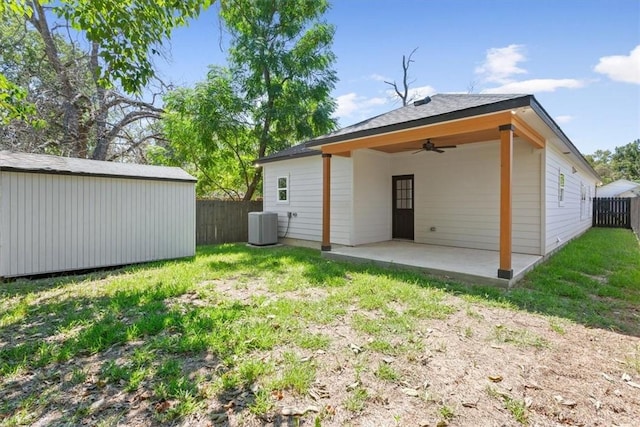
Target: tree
{"x": 275, "y": 92}
{"x": 122, "y": 37}
{"x": 209, "y": 135}
{"x": 72, "y": 113}
{"x": 601, "y": 163}
{"x": 623, "y": 163}
{"x": 626, "y": 160}
{"x": 403, "y": 93}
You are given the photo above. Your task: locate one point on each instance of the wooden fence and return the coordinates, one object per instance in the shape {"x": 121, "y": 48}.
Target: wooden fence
{"x": 612, "y": 212}
{"x": 219, "y": 221}
{"x": 635, "y": 215}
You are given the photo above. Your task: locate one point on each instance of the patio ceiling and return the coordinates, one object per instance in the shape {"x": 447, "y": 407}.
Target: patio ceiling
{"x": 463, "y": 131}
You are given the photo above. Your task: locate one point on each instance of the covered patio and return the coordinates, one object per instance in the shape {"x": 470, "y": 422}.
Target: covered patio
{"x": 446, "y": 126}
{"x": 472, "y": 266}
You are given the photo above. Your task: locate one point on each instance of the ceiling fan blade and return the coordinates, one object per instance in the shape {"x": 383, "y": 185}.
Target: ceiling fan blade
{"x": 420, "y": 150}
{"x": 447, "y": 146}
{"x": 437, "y": 150}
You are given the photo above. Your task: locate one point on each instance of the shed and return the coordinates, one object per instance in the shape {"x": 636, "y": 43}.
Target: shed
{"x": 62, "y": 214}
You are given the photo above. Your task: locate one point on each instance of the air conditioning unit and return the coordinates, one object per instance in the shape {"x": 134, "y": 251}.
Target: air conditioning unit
{"x": 263, "y": 228}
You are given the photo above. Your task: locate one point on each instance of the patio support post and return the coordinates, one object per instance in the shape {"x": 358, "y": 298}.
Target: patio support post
{"x": 326, "y": 202}
{"x": 506, "y": 167}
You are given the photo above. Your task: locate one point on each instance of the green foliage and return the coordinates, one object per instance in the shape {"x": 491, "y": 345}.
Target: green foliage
{"x": 626, "y": 160}
{"x": 275, "y": 92}
{"x": 126, "y": 35}
{"x": 623, "y": 163}
{"x": 128, "y": 32}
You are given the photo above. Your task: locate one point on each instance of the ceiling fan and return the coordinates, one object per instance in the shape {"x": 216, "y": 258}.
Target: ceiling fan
{"x": 429, "y": 146}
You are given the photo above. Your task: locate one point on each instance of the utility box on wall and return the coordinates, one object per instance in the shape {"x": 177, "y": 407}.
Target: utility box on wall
{"x": 64, "y": 214}
{"x": 263, "y": 228}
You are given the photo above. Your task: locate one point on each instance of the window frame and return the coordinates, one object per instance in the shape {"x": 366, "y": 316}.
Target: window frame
{"x": 583, "y": 201}
{"x": 284, "y": 189}
{"x": 562, "y": 185}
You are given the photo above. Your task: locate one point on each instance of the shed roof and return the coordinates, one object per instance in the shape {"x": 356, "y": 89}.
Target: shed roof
{"x": 615, "y": 188}
{"x": 41, "y": 163}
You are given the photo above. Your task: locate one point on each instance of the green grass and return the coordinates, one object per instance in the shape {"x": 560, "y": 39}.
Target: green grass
{"x": 140, "y": 324}
{"x": 516, "y": 407}
{"x": 386, "y": 373}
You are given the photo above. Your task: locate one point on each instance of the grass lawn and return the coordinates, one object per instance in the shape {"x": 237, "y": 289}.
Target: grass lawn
{"x": 243, "y": 336}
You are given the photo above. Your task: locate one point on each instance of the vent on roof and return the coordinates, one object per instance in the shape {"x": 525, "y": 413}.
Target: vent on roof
{"x": 425, "y": 100}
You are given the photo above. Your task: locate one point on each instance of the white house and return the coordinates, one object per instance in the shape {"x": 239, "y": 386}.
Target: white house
{"x": 63, "y": 214}
{"x": 620, "y": 188}
{"x": 488, "y": 172}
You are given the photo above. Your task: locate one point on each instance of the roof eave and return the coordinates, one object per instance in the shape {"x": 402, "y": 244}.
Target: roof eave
{"x": 546, "y": 118}
{"x": 259, "y": 162}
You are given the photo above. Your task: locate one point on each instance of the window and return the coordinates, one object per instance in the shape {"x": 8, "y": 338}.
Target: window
{"x": 583, "y": 201}
{"x": 560, "y": 188}
{"x": 283, "y": 189}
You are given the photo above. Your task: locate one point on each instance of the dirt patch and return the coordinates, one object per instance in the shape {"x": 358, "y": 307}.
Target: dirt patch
{"x": 480, "y": 366}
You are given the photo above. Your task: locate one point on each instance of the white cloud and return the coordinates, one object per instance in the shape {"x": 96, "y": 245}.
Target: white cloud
{"x": 621, "y": 68}
{"x": 414, "y": 93}
{"x": 378, "y": 77}
{"x": 351, "y": 103}
{"x": 501, "y": 63}
{"x": 536, "y": 86}
{"x": 563, "y": 119}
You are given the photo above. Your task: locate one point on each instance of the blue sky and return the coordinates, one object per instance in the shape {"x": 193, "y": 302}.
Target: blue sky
{"x": 580, "y": 58}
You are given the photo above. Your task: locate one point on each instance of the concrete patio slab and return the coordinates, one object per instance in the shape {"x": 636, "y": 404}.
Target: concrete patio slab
{"x": 472, "y": 266}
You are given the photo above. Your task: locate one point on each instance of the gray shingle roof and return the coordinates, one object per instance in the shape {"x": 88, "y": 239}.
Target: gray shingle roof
{"x": 40, "y": 163}
{"x": 299, "y": 150}
{"x": 441, "y": 107}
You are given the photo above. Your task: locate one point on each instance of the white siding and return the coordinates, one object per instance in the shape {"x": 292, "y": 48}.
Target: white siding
{"x": 371, "y": 197}
{"x": 458, "y": 193}
{"x": 563, "y": 221}
{"x": 51, "y": 223}
{"x": 305, "y": 198}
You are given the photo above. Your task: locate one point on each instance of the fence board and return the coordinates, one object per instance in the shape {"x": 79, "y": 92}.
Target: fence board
{"x": 635, "y": 215}
{"x": 219, "y": 221}
{"x": 612, "y": 212}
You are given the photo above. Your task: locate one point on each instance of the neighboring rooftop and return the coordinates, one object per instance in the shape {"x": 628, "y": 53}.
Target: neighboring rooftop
{"x": 41, "y": 163}
{"x": 619, "y": 188}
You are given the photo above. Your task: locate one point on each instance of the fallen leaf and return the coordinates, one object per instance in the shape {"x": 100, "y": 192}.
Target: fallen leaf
{"x": 411, "y": 392}
{"x": 626, "y": 377}
{"x": 355, "y": 348}
{"x": 528, "y": 401}
{"x": 353, "y": 386}
{"x": 470, "y": 404}
{"x": 632, "y": 384}
{"x": 495, "y": 378}
{"x": 607, "y": 377}
{"x": 388, "y": 360}
{"x": 569, "y": 403}
{"x": 293, "y": 411}
{"x": 442, "y": 423}
{"x": 277, "y": 394}
{"x": 162, "y": 406}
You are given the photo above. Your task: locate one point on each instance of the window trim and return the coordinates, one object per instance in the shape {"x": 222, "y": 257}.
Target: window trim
{"x": 562, "y": 185}
{"x": 285, "y": 189}
{"x": 583, "y": 201}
